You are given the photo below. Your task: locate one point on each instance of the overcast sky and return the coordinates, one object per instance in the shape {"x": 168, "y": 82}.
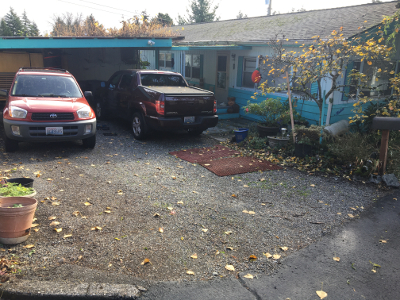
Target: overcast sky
{"x": 110, "y": 13}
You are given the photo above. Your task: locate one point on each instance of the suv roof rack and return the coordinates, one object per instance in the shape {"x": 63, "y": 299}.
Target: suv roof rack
{"x": 38, "y": 69}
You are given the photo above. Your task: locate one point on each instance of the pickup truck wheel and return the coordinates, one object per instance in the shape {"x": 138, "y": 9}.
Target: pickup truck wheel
{"x": 139, "y": 126}
{"x": 195, "y": 132}
{"x": 10, "y": 145}
{"x": 89, "y": 142}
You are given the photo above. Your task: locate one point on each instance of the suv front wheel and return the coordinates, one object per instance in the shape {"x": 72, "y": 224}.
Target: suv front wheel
{"x": 89, "y": 142}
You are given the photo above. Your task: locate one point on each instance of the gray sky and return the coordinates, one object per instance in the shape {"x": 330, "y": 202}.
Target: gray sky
{"x": 110, "y": 13}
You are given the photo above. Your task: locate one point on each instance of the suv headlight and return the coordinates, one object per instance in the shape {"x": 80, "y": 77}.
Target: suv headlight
{"x": 16, "y": 112}
{"x": 84, "y": 113}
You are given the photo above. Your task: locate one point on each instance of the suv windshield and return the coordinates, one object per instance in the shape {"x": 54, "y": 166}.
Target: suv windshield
{"x": 161, "y": 80}
{"x": 45, "y": 86}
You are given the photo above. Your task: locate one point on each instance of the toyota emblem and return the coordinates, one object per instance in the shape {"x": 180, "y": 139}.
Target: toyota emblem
{"x": 53, "y": 116}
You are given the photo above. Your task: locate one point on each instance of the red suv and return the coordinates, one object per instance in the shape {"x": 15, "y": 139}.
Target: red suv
{"x": 44, "y": 105}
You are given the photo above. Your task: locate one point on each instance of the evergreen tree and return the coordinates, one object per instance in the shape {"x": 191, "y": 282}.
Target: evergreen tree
{"x": 13, "y": 22}
{"x": 163, "y": 19}
{"x": 4, "y": 30}
{"x": 200, "y": 11}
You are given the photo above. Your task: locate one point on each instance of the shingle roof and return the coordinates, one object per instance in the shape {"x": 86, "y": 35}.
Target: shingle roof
{"x": 294, "y": 26}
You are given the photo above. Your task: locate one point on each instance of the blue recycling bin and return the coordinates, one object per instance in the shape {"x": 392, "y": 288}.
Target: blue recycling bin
{"x": 241, "y": 134}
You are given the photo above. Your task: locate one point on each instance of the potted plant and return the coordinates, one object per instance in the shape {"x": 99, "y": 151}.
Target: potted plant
{"x": 11, "y": 189}
{"x": 306, "y": 139}
{"x": 272, "y": 114}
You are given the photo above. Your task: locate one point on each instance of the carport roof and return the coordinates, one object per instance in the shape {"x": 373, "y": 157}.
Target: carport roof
{"x": 84, "y": 42}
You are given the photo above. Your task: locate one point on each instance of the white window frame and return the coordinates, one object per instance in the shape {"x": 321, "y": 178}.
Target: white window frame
{"x": 165, "y": 61}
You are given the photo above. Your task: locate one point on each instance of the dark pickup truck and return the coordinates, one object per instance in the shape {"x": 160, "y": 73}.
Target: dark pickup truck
{"x": 158, "y": 100}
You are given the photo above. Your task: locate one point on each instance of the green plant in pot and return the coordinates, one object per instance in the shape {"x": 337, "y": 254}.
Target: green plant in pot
{"x": 272, "y": 113}
{"x": 307, "y": 138}
{"x": 8, "y": 189}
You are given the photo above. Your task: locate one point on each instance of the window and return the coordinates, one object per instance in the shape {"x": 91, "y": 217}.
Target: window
{"x": 249, "y": 66}
{"x": 161, "y": 80}
{"x": 377, "y": 75}
{"x": 192, "y": 66}
{"x": 125, "y": 81}
{"x": 165, "y": 60}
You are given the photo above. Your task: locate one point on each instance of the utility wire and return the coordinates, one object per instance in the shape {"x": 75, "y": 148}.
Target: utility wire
{"x": 109, "y": 7}
{"x": 91, "y": 7}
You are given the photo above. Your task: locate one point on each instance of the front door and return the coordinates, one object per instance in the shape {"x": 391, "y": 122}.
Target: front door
{"x": 222, "y": 78}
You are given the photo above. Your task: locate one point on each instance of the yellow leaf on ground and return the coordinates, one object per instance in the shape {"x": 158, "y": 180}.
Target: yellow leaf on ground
{"x": 233, "y": 195}
{"x": 253, "y": 257}
{"x": 75, "y": 213}
{"x": 87, "y": 203}
{"x": 189, "y": 272}
{"x": 96, "y": 228}
{"x": 194, "y": 256}
{"x": 246, "y": 185}
{"x": 179, "y": 202}
{"x": 182, "y": 238}
{"x": 353, "y": 208}
{"x": 29, "y": 246}
{"x": 335, "y": 258}
{"x": 34, "y": 225}
{"x": 107, "y": 211}
{"x": 312, "y": 184}
{"x": 251, "y": 212}
{"x": 245, "y": 211}
{"x": 67, "y": 236}
{"x": 230, "y": 268}
{"x": 146, "y": 261}
{"x": 54, "y": 223}
{"x": 170, "y": 208}
{"x": 173, "y": 177}
{"x": 350, "y": 215}
{"x": 373, "y": 271}
{"x": 51, "y": 218}
{"x": 383, "y": 241}
{"x": 284, "y": 248}
{"x": 204, "y": 230}
{"x": 276, "y": 256}
{"x": 321, "y": 294}
{"x": 229, "y": 248}
{"x": 55, "y": 203}
{"x": 248, "y": 276}
{"x": 161, "y": 229}
{"x": 228, "y": 232}
{"x": 268, "y": 255}
{"x": 156, "y": 215}
{"x": 36, "y": 229}
{"x": 58, "y": 229}
{"x": 206, "y": 165}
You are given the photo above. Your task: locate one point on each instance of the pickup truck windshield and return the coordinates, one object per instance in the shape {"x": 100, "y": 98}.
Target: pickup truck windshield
{"x": 162, "y": 80}
{"x": 45, "y": 86}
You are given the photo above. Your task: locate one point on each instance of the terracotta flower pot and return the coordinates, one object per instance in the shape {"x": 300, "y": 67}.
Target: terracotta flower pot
{"x": 16, "y": 222}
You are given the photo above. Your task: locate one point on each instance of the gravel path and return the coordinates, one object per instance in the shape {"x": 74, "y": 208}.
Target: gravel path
{"x": 136, "y": 189}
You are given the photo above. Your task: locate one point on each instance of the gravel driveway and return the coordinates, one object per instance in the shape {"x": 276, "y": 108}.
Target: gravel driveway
{"x": 136, "y": 190}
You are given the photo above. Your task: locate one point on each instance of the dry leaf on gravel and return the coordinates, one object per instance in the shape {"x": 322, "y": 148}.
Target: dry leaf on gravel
{"x": 233, "y": 195}
{"x": 170, "y": 208}
{"x": 58, "y": 229}
{"x": 230, "y": 268}
{"x": 34, "y": 225}
{"x": 194, "y": 256}
{"x": 228, "y": 232}
{"x": 67, "y": 236}
{"x": 245, "y": 211}
{"x": 321, "y": 294}
{"x": 75, "y": 213}
{"x": 29, "y": 246}
{"x": 189, "y": 272}
{"x": 312, "y": 185}
{"x": 55, "y": 203}
{"x": 145, "y": 261}
{"x": 248, "y": 276}
{"x": 173, "y": 177}
{"x": 252, "y": 258}
{"x": 284, "y": 248}
{"x": 107, "y": 211}
{"x": 335, "y": 258}
{"x": 350, "y": 215}
{"x": 51, "y": 218}
{"x": 54, "y": 223}
{"x": 382, "y": 241}
{"x": 179, "y": 202}
{"x": 156, "y": 215}
{"x": 276, "y": 256}
{"x": 268, "y": 255}
{"x": 87, "y": 203}
{"x": 204, "y": 230}
{"x": 96, "y": 228}
{"x": 160, "y": 230}
{"x": 251, "y": 212}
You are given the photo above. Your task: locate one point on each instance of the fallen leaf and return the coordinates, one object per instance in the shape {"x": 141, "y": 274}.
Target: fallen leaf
{"x": 373, "y": 271}
{"x": 230, "y": 268}
{"x": 156, "y": 215}
{"x": 245, "y": 211}
{"x": 204, "y": 230}
{"x": 87, "y": 203}
{"x": 49, "y": 179}
{"x": 170, "y": 208}
{"x": 107, "y": 211}
{"x": 194, "y": 256}
{"x": 51, "y": 218}
{"x": 233, "y": 195}
{"x": 276, "y": 256}
{"x": 119, "y": 192}
{"x": 173, "y": 177}
{"x": 383, "y": 241}
{"x": 268, "y": 255}
{"x": 353, "y": 208}
{"x": 229, "y": 248}
{"x": 96, "y": 228}
{"x": 206, "y": 165}
{"x": 29, "y": 246}
{"x": 321, "y": 294}
{"x": 117, "y": 239}
{"x": 34, "y": 225}
{"x": 67, "y": 236}
{"x": 251, "y": 212}
{"x": 160, "y": 230}
{"x": 335, "y": 258}
{"x": 54, "y": 223}
{"x": 58, "y": 229}
{"x": 262, "y": 179}
{"x": 182, "y": 238}
{"x": 252, "y": 258}
{"x": 179, "y": 202}
{"x": 216, "y": 252}
{"x": 248, "y": 276}
{"x": 36, "y": 229}
{"x": 312, "y": 185}
{"x": 284, "y": 248}
{"x": 228, "y": 232}
{"x": 189, "y": 272}
{"x": 146, "y": 261}
{"x": 246, "y": 185}
{"x": 350, "y": 215}
{"x": 55, "y": 203}
{"x": 75, "y": 213}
